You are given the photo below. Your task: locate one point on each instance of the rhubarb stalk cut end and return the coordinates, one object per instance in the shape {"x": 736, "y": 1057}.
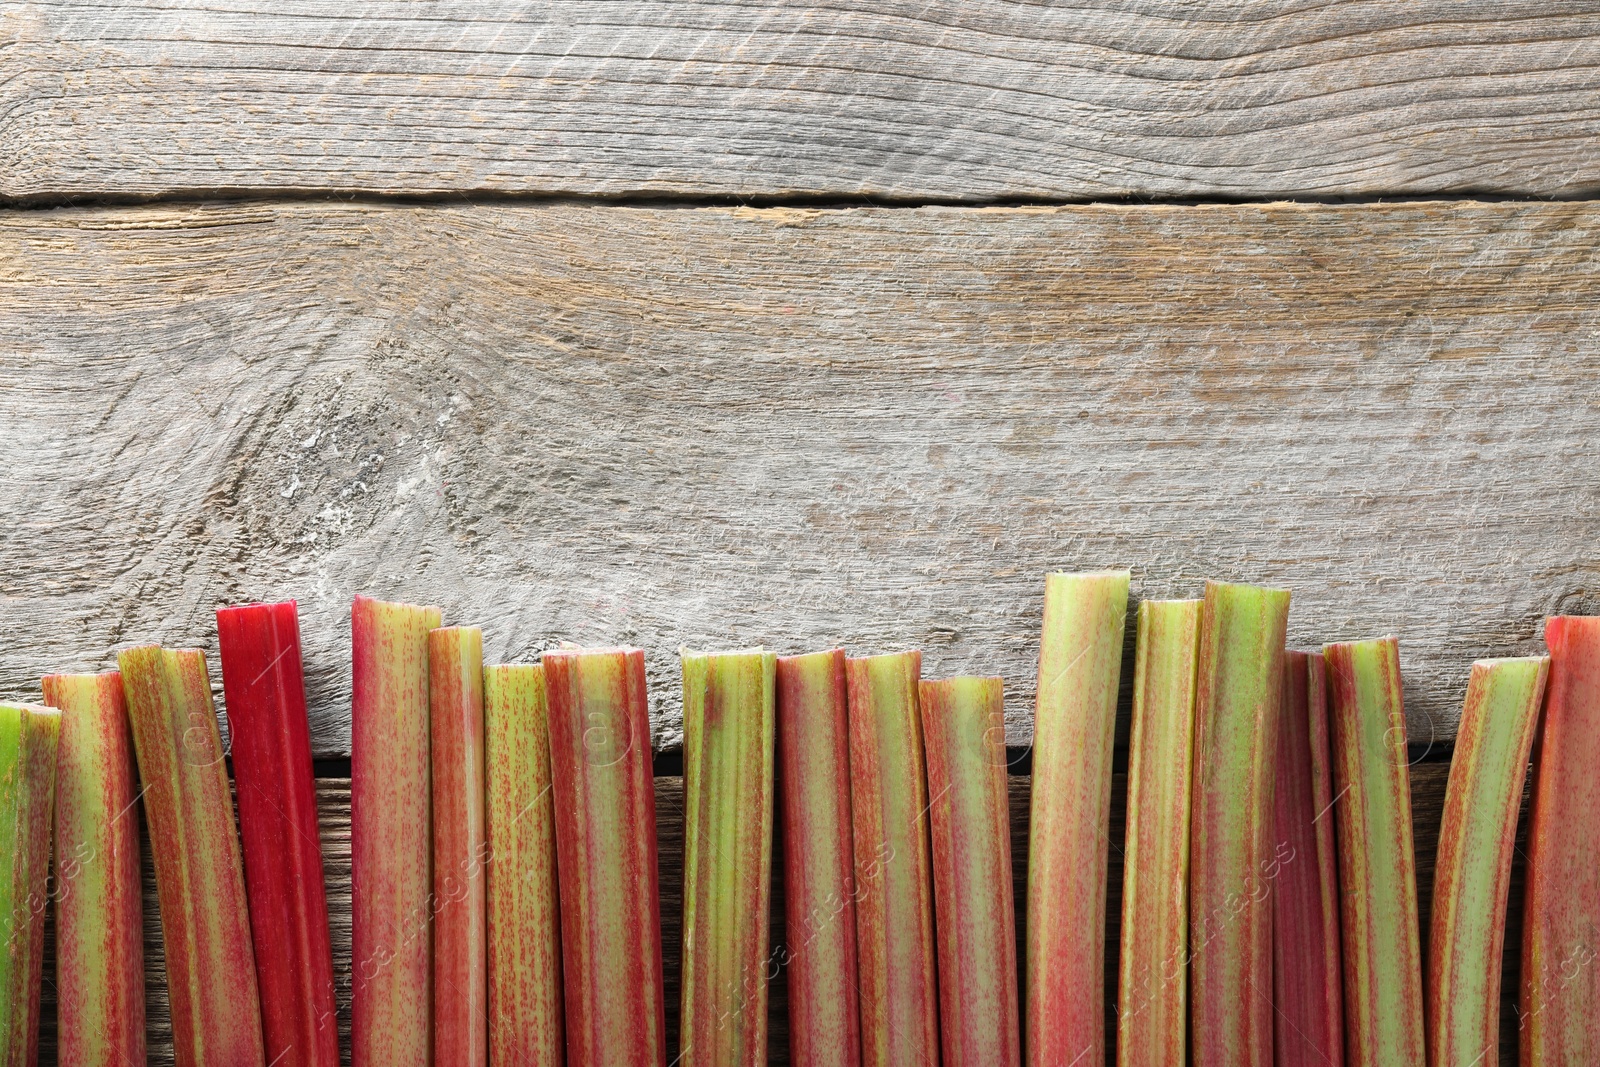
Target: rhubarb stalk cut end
{"x": 1561, "y": 919}
{"x": 99, "y": 911}
{"x": 1233, "y": 860}
{"x": 728, "y": 709}
{"x": 1477, "y": 835}
{"x": 818, "y": 882}
{"x": 894, "y": 877}
{"x": 1377, "y": 867}
{"x": 29, "y": 735}
{"x": 205, "y": 923}
{"x": 525, "y": 1016}
{"x": 964, "y": 731}
{"x": 1080, "y": 665}
{"x": 1152, "y": 1007}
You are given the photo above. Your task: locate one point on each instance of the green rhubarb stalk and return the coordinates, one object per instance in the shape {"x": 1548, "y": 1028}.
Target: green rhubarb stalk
{"x": 391, "y": 841}
{"x": 28, "y": 740}
{"x": 1233, "y": 860}
{"x": 894, "y": 877}
{"x": 525, "y": 1018}
{"x": 606, "y": 857}
{"x": 818, "y": 860}
{"x": 1477, "y": 836}
{"x": 1377, "y": 866}
{"x": 728, "y": 703}
{"x": 1152, "y": 1002}
{"x": 964, "y": 731}
{"x": 205, "y": 924}
{"x": 460, "y": 847}
{"x": 1307, "y": 973}
{"x": 1561, "y": 918}
{"x": 1080, "y": 663}
{"x": 99, "y": 912}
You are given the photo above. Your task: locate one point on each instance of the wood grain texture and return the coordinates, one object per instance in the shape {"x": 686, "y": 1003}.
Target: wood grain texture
{"x": 1427, "y": 787}
{"x": 960, "y": 99}
{"x": 724, "y": 427}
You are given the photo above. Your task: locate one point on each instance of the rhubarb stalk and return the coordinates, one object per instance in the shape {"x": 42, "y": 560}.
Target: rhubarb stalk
{"x": 606, "y": 857}
{"x": 1233, "y": 860}
{"x": 1080, "y": 662}
{"x": 1477, "y": 836}
{"x": 259, "y": 645}
{"x": 727, "y": 856}
{"x": 525, "y": 1018}
{"x": 1377, "y": 867}
{"x": 1152, "y": 1004}
{"x": 205, "y": 922}
{"x": 964, "y": 730}
{"x": 1561, "y": 921}
{"x": 460, "y": 844}
{"x": 99, "y": 914}
{"x": 28, "y": 742}
{"x": 818, "y": 858}
{"x": 1307, "y": 975}
{"x": 391, "y": 843}
{"x": 894, "y": 880}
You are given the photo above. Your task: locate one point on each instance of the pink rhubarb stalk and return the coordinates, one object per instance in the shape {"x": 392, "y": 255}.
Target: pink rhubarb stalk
{"x": 1233, "y": 860}
{"x": 1152, "y": 1004}
{"x": 1477, "y": 836}
{"x": 391, "y": 842}
{"x": 28, "y": 744}
{"x": 1561, "y": 918}
{"x": 964, "y": 731}
{"x": 525, "y": 1017}
{"x": 727, "y": 856}
{"x": 606, "y": 857}
{"x": 205, "y": 920}
{"x": 818, "y": 859}
{"x": 1377, "y": 866}
{"x": 1307, "y": 973}
{"x": 460, "y": 849}
{"x": 1080, "y": 662}
{"x": 99, "y": 913}
{"x": 259, "y": 645}
{"x": 894, "y": 878}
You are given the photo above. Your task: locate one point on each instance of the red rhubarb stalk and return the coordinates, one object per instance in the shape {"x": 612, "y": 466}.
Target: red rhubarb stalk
{"x": 1080, "y": 662}
{"x": 525, "y": 1018}
{"x": 1233, "y": 860}
{"x": 1152, "y": 1005}
{"x": 964, "y": 730}
{"x": 1377, "y": 867}
{"x": 1561, "y": 921}
{"x": 1477, "y": 836}
{"x": 606, "y": 857}
{"x": 28, "y": 745}
{"x": 894, "y": 876}
{"x": 205, "y": 921}
{"x": 818, "y": 859}
{"x": 727, "y": 856}
{"x": 99, "y": 914}
{"x": 391, "y": 843}
{"x": 259, "y": 645}
{"x": 460, "y": 844}
{"x": 1307, "y": 973}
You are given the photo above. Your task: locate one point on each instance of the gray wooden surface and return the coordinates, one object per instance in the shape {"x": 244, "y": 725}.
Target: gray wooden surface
{"x": 721, "y": 427}
{"x": 966, "y": 100}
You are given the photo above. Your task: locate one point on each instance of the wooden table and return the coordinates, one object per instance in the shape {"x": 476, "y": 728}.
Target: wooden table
{"x": 717, "y": 324}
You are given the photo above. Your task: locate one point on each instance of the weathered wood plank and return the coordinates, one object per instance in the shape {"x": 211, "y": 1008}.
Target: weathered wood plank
{"x": 968, "y": 100}
{"x": 1427, "y": 784}
{"x": 721, "y": 427}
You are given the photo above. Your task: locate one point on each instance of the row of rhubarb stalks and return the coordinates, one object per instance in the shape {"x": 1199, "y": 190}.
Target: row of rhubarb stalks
{"x": 505, "y": 898}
